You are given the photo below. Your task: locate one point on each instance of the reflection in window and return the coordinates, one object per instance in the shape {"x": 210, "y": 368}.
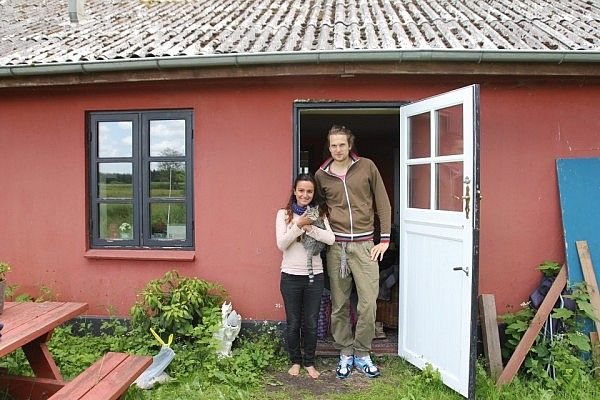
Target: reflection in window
{"x": 420, "y": 136}
{"x": 449, "y": 179}
{"x": 168, "y": 221}
{"x": 167, "y": 137}
{"x": 167, "y": 179}
{"x": 114, "y": 180}
{"x": 450, "y": 130}
{"x": 115, "y": 139}
{"x": 116, "y": 221}
{"x": 419, "y": 188}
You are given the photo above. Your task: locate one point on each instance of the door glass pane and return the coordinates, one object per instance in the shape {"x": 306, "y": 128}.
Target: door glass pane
{"x": 449, "y": 181}
{"x": 167, "y": 179}
{"x": 114, "y": 180}
{"x": 420, "y": 135}
{"x": 167, "y": 137}
{"x": 116, "y": 221}
{"x": 419, "y": 187}
{"x": 168, "y": 221}
{"x": 450, "y": 130}
{"x": 115, "y": 139}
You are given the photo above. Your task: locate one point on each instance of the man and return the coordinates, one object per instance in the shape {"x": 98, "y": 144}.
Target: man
{"x": 353, "y": 189}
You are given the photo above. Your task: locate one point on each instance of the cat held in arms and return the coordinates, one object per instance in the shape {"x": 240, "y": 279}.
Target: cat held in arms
{"x": 312, "y": 245}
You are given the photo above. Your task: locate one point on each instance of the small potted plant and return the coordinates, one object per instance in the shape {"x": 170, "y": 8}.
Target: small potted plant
{"x": 125, "y": 230}
{"x": 4, "y": 268}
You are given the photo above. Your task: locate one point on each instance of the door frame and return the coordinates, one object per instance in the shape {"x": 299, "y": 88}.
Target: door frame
{"x": 476, "y": 229}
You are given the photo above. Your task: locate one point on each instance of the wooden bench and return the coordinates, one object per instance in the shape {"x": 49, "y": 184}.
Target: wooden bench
{"x": 107, "y": 379}
{"x": 29, "y": 326}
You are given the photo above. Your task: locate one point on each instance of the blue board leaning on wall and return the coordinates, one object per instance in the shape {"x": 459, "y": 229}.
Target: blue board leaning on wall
{"x": 579, "y": 188}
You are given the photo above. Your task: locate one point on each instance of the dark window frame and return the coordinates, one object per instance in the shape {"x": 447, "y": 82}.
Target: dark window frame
{"x": 140, "y": 159}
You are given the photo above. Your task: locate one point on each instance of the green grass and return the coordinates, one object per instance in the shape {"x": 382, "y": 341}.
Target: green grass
{"x": 125, "y": 190}
{"x": 399, "y": 381}
{"x": 258, "y": 371}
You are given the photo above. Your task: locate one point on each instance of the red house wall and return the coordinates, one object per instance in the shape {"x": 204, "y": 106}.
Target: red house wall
{"x": 243, "y": 163}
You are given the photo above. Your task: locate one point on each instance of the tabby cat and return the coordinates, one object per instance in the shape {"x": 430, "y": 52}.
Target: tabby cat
{"x": 312, "y": 245}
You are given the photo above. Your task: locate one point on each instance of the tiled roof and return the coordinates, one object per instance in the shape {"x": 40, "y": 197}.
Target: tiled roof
{"x": 39, "y": 31}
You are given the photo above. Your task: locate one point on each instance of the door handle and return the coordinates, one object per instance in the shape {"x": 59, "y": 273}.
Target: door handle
{"x": 463, "y": 269}
{"x": 467, "y": 197}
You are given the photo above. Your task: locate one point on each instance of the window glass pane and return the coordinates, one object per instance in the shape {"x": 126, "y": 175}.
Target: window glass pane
{"x": 167, "y": 179}
{"x": 114, "y": 180}
{"x": 449, "y": 178}
{"x": 419, "y": 186}
{"x": 167, "y": 137}
{"x": 115, "y": 139}
{"x": 420, "y": 135}
{"x": 116, "y": 221}
{"x": 168, "y": 221}
{"x": 450, "y": 130}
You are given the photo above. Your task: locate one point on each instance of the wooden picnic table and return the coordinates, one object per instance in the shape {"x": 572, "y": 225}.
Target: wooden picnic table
{"x": 29, "y": 326}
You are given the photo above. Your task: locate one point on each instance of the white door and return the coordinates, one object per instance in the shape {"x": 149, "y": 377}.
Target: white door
{"x": 439, "y": 229}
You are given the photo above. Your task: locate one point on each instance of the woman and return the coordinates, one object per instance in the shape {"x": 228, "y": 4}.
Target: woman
{"x": 301, "y": 297}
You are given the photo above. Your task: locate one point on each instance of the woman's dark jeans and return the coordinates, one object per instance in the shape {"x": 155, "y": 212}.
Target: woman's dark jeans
{"x": 298, "y": 296}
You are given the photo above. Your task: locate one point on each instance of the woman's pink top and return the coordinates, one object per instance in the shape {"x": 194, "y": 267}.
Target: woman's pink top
{"x": 294, "y": 254}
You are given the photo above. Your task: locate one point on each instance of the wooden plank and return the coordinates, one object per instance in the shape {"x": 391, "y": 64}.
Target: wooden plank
{"x": 9, "y": 304}
{"x": 491, "y": 339}
{"x": 21, "y": 314}
{"x": 26, "y": 322}
{"x": 528, "y": 338}
{"x": 85, "y": 381}
{"x": 41, "y": 361}
{"x": 590, "y": 278}
{"x": 107, "y": 379}
{"x": 119, "y": 380}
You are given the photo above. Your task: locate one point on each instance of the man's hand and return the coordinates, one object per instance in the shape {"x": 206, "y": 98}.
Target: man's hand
{"x": 378, "y": 250}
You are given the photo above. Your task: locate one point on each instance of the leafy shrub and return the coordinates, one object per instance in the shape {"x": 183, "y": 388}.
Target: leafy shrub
{"x": 176, "y": 304}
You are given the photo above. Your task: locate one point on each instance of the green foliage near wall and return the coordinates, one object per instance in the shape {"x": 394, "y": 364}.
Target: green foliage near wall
{"x": 558, "y": 359}
{"x": 177, "y": 304}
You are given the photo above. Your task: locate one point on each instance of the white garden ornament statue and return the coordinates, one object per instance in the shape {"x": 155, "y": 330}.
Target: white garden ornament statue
{"x": 231, "y": 323}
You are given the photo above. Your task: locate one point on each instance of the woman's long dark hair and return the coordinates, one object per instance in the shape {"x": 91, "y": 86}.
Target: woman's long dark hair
{"x": 316, "y": 201}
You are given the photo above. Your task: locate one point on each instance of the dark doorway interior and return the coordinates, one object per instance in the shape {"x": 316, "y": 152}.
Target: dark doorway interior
{"x": 377, "y": 132}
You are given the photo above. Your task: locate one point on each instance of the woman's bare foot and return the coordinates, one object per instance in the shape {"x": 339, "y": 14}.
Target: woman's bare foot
{"x": 295, "y": 370}
{"x": 312, "y": 371}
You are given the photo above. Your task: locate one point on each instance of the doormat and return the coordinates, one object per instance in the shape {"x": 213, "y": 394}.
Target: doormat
{"x": 379, "y": 347}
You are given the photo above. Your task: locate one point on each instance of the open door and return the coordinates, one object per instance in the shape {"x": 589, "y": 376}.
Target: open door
{"x": 439, "y": 235}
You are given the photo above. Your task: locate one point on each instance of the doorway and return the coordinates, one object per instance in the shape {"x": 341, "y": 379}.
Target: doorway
{"x": 376, "y": 127}
{"x": 428, "y": 155}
